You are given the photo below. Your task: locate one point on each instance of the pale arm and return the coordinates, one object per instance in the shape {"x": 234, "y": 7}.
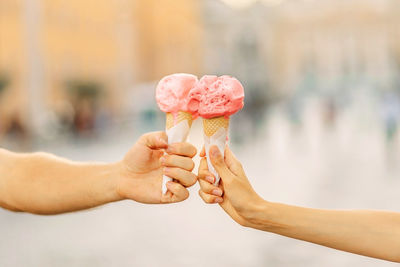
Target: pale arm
{"x": 369, "y": 233}
{"x": 365, "y": 232}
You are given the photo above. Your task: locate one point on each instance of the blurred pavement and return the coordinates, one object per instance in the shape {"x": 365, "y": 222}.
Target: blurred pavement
{"x": 345, "y": 168}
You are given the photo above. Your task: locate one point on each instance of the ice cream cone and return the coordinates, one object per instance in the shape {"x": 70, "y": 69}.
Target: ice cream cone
{"x": 177, "y": 128}
{"x": 172, "y": 96}
{"x": 215, "y": 133}
{"x": 216, "y": 99}
{"x": 211, "y": 126}
{"x": 181, "y": 116}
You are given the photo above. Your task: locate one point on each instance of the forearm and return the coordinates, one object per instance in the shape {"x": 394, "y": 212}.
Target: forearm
{"x": 43, "y": 184}
{"x": 369, "y": 233}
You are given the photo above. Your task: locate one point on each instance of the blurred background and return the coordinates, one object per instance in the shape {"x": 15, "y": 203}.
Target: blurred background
{"x": 319, "y": 127}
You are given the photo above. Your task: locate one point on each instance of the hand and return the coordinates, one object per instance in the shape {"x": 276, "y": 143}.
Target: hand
{"x": 144, "y": 165}
{"x": 234, "y": 193}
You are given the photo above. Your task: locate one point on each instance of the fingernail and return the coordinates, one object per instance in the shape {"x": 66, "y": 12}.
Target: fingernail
{"x": 162, "y": 160}
{"x": 210, "y": 179}
{"x": 169, "y": 149}
{"x": 218, "y": 200}
{"x": 215, "y": 152}
{"x": 166, "y": 170}
{"x": 217, "y": 192}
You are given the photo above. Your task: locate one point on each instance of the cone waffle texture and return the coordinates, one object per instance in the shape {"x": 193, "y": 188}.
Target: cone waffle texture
{"x": 181, "y": 116}
{"x": 211, "y": 126}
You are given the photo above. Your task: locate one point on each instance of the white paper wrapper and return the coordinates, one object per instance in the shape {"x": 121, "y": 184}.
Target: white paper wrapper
{"x": 218, "y": 139}
{"x": 176, "y": 134}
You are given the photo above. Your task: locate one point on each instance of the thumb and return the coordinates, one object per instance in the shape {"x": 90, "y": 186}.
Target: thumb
{"x": 155, "y": 140}
{"x": 219, "y": 164}
{"x": 233, "y": 163}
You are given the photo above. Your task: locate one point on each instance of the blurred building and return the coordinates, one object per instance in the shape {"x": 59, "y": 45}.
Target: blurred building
{"x": 332, "y": 45}
{"x": 74, "y": 58}
{"x": 234, "y": 41}
{"x": 78, "y": 59}
{"x": 289, "y": 46}
{"x": 13, "y": 67}
{"x": 169, "y": 36}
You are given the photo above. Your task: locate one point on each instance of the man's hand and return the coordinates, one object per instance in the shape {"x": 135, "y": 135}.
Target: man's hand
{"x": 42, "y": 183}
{"x": 142, "y": 169}
{"x": 234, "y": 193}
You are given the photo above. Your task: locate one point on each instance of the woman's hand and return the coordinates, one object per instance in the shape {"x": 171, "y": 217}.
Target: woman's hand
{"x": 234, "y": 193}
{"x": 142, "y": 169}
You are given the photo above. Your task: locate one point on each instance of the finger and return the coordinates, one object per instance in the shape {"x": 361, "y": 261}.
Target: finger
{"x": 233, "y": 163}
{"x": 158, "y": 153}
{"x": 210, "y": 189}
{"x": 184, "y": 177}
{"x": 203, "y": 167}
{"x": 179, "y": 193}
{"x": 204, "y": 173}
{"x": 183, "y": 149}
{"x": 203, "y": 152}
{"x": 155, "y": 140}
{"x": 219, "y": 164}
{"x": 210, "y": 199}
{"x": 177, "y": 161}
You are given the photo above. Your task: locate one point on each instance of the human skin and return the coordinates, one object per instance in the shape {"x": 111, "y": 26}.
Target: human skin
{"x": 41, "y": 183}
{"x": 366, "y": 232}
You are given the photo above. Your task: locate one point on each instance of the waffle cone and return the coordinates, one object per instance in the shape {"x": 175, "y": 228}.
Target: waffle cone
{"x": 211, "y": 126}
{"x": 181, "y": 116}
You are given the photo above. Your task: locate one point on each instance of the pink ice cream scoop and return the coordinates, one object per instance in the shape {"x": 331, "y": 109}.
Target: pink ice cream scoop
{"x": 172, "y": 93}
{"x": 217, "y": 96}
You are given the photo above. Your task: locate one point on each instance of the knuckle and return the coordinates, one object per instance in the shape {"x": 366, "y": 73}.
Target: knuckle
{"x": 203, "y": 185}
{"x": 212, "y": 199}
{"x": 180, "y": 148}
{"x": 204, "y": 197}
{"x": 207, "y": 198}
{"x": 163, "y": 134}
{"x": 208, "y": 189}
{"x": 175, "y": 148}
{"x": 202, "y": 175}
{"x": 167, "y": 159}
{"x": 144, "y": 137}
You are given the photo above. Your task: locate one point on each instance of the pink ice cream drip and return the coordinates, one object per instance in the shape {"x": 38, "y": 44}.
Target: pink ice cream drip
{"x": 217, "y": 96}
{"x": 172, "y": 93}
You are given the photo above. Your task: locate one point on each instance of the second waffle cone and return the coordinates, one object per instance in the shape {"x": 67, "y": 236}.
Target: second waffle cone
{"x": 211, "y": 126}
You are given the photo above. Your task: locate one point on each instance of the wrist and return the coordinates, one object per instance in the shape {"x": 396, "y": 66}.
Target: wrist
{"x": 126, "y": 182}
{"x": 260, "y": 215}
{"x": 119, "y": 176}
{"x": 111, "y": 179}
{"x": 266, "y": 216}
{"x": 255, "y": 212}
